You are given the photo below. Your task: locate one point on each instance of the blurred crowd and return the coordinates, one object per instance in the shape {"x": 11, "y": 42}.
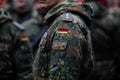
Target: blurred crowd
{"x": 23, "y": 24}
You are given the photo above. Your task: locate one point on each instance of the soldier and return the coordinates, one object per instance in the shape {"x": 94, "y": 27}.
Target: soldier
{"x": 114, "y": 10}
{"x": 106, "y": 42}
{"x": 65, "y": 49}
{"x": 15, "y": 52}
{"x": 23, "y": 12}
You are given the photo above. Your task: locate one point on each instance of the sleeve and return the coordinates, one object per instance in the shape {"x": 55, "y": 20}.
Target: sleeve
{"x": 23, "y": 56}
{"x": 39, "y": 64}
{"x": 67, "y": 52}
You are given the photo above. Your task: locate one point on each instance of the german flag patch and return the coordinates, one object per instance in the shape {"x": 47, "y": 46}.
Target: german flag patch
{"x": 24, "y": 38}
{"x": 63, "y": 31}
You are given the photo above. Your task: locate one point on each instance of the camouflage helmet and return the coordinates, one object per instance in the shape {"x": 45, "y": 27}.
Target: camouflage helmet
{"x": 4, "y": 14}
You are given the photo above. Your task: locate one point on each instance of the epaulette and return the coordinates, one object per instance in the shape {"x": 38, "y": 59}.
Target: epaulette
{"x": 67, "y": 17}
{"x": 19, "y": 26}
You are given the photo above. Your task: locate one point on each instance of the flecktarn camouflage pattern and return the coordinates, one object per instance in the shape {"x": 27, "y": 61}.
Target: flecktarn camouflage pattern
{"x": 65, "y": 50}
{"x": 15, "y": 52}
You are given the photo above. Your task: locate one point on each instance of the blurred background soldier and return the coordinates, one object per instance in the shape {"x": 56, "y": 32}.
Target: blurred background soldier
{"x": 15, "y": 51}
{"x": 114, "y": 10}
{"x": 23, "y": 12}
{"x": 106, "y": 40}
{"x": 65, "y": 49}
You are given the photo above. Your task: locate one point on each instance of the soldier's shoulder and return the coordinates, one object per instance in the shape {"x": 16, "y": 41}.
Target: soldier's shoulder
{"x": 68, "y": 17}
{"x": 72, "y": 18}
{"x": 30, "y": 23}
{"x": 14, "y": 28}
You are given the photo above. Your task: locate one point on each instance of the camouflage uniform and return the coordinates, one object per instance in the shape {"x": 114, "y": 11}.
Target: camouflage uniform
{"x": 15, "y": 52}
{"x": 65, "y": 49}
{"x": 32, "y": 27}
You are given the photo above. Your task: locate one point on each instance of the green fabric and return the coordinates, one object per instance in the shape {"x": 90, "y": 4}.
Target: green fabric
{"x": 56, "y": 9}
{"x": 15, "y": 61}
{"x": 60, "y": 54}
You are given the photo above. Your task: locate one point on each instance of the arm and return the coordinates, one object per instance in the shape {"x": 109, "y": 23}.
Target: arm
{"x": 69, "y": 47}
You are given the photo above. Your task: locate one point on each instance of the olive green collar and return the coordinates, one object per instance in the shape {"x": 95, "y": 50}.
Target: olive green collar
{"x": 56, "y": 9}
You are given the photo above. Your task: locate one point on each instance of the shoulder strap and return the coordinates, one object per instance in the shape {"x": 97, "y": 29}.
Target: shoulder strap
{"x": 18, "y": 25}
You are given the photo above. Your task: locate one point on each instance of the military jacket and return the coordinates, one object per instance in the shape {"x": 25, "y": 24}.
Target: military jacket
{"x": 15, "y": 52}
{"x": 65, "y": 49}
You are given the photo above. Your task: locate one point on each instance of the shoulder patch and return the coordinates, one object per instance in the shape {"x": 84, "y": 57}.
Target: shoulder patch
{"x": 19, "y": 26}
{"x": 67, "y": 17}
